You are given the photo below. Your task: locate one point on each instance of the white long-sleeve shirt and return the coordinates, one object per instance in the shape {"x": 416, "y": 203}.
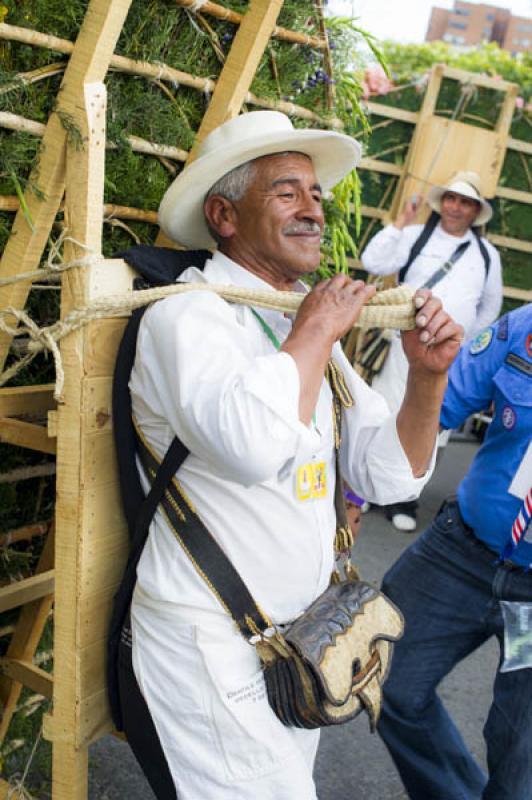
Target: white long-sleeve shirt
{"x": 206, "y": 371}
{"x": 472, "y": 299}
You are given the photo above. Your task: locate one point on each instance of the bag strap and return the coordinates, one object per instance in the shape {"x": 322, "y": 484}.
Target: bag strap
{"x": 419, "y": 244}
{"x": 483, "y": 251}
{"x": 444, "y": 270}
{"x": 206, "y": 555}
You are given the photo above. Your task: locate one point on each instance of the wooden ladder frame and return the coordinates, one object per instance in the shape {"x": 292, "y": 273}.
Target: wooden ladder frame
{"x": 91, "y": 539}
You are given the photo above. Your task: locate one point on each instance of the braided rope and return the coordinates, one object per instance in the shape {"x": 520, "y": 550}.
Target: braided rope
{"x": 391, "y": 308}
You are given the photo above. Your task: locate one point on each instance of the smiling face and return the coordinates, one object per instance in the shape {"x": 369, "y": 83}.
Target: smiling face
{"x": 457, "y": 213}
{"x": 275, "y": 229}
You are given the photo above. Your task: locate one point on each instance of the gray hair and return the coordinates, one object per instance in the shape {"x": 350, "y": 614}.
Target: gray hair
{"x": 234, "y": 185}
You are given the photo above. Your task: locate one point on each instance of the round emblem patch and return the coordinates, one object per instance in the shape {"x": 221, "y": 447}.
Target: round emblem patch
{"x": 481, "y": 342}
{"x": 508, "y": 417}
{"x": 528, "y": 345}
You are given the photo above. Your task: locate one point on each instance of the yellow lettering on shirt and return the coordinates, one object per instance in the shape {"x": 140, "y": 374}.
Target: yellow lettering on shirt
{"x": 311, "y": 481}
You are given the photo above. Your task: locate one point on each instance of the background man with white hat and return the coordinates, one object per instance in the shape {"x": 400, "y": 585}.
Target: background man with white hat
{"x": 449, "y": 254}
{"x": 244, "y": 390}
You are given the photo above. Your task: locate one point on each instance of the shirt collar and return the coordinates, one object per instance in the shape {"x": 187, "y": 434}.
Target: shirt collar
{"x": 467, "y": 237}
{"x": 222, "y": 269}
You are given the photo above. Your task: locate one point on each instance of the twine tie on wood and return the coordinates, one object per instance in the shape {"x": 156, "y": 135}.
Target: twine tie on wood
{"x": 196, "y": 6}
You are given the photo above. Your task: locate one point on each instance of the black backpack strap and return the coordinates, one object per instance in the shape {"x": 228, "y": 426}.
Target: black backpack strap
{"x": 206, "y": 555}
{"x": 483, "y": 250}
{"x": 419, "y": 244}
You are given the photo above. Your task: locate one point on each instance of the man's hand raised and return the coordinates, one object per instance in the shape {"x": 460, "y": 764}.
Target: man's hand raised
{"x": 433, "y": 345}
{"x": 331, "y": 309}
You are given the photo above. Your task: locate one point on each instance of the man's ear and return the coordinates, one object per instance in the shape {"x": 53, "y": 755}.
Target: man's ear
{"x": 221, "y": 215}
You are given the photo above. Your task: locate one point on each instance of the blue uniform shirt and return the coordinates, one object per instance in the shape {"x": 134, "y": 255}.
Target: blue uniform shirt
{"x": 495, "y": 367}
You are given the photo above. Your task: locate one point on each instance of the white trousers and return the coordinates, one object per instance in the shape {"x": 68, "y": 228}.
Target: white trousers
{"x": 205, "y": 690}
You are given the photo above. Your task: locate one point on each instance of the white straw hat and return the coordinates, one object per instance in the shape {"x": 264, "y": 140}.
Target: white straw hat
{"x": 242, "y": 139}
{"x": 468, "y": 185}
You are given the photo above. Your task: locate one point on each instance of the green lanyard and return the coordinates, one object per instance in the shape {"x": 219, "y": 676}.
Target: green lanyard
{"x": 275, "y": 341}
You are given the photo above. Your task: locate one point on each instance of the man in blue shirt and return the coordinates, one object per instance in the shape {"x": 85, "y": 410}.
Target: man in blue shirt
{"x": 450, "y": 582}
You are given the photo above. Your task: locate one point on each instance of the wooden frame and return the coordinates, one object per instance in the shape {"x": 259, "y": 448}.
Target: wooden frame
{"x": 89, "y": 537}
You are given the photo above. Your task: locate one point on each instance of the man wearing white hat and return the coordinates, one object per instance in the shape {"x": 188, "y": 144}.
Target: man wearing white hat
{"x": 243, "y": 389}
{"x": 449, "y": 254}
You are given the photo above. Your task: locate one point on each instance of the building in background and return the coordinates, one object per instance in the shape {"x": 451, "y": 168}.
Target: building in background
{"x": 469, "y": 24}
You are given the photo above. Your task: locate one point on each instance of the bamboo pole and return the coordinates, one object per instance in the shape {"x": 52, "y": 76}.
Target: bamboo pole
{"x": 110, "y": 210}
{"x": 225, "y": 14}
{"x": 25, "y": 533}
{"x": 15, "y": 122}
{"x": 161, "y": 72}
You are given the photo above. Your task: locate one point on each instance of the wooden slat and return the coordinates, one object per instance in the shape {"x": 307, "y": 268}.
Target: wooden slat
{"x": 25, "y": 434}
{"x": 26, "y": 590}
{"x": 102, "y": 342}
{"x": 28, "y": 674}
{"x": 514, "y": 194}
{"x": 375, "y": 165}
{"x": 26, "y": 637}
{"x": 391, "y": 112}
{"x": 374, "y": 213}
{"x": 477, "y": 79}
{"x": 26, "y": 400}
{"x": 84, "y": 179}
{"x": 518, "y": 294}
{"x": 520, "y": 146}
{"x": 513, "y": 244}
{"x": 241, "y": 64}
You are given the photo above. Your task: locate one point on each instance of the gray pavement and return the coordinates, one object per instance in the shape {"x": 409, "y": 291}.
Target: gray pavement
{"x": 352, "y": 764}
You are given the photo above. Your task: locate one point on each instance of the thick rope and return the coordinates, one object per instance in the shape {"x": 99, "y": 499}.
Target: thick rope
{"x": 392, "y": 308}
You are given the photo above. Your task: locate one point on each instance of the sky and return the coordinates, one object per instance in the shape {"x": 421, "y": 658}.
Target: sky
{"x": 407, "y": 21}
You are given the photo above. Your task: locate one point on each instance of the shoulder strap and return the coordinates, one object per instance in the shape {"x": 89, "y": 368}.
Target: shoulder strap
{"x": 483, "y": 250}
{"x": 419, "y": 244}
{"x": 206, "y": 555}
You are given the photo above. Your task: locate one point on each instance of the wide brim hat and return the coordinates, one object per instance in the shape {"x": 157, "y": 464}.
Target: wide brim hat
{"x": 466, "y": 184}
{"x": 242, "y": 139}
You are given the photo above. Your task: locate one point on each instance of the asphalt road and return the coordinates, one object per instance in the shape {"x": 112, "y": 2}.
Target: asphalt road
{"x": 352, "y": 764}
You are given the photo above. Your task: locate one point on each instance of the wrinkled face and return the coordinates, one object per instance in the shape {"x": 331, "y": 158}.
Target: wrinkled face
{"x": 276, "y": 227}
{"x": 458, "y": 213}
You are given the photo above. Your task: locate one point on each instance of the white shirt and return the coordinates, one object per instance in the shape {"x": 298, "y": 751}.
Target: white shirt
{"x": 206, "y": 371}
{"x": 471, "y": 299}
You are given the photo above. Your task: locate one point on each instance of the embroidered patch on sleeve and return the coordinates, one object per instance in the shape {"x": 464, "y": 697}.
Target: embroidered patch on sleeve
{"x": 481, "y": 342}
{"x": 502, "y": 329}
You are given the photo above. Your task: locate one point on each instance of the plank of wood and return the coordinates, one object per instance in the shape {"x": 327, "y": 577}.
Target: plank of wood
{"x": 477, "y": 79}
{"x": 85, "y": 100}
{"x": 374, "y": 165}
{"x": 101, "y": 346}
{"x": 26, "y": 637}
{"x": 26, "y": 590}
{"x": 26, "y": 399}
{"x": 26, "y": 434}
{"x": 391, "y": 112}
{"x": 514, "y": 194}
{"x": 507, "y": 241}
{"x": 518, "y": 294}
{"x": 520, "y": 146}
{"x": 371, "y": 211}
{"x": 35, "y": 678}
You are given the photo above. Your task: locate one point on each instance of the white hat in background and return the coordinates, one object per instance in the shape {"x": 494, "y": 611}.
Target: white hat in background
{"x": 242, "y": 139}
{"x": 466, "y": 184}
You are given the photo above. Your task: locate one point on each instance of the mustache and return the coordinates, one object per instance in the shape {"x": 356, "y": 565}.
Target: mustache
{"x": 304, "y": 226}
